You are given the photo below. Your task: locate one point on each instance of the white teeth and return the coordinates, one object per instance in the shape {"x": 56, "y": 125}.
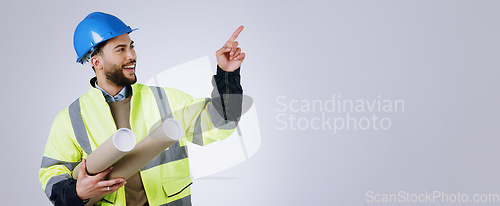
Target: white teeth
{"x": 130, "y": 67}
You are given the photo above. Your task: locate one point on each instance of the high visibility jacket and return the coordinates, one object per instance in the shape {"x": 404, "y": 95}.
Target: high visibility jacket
{"x": 87, "y": 123}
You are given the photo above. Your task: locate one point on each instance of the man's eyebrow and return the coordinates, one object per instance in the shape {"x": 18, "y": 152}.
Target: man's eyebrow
{"x": 123, "y": 45}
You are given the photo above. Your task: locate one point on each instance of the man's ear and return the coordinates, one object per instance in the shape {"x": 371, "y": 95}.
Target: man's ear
{"x": 96, "y": 62}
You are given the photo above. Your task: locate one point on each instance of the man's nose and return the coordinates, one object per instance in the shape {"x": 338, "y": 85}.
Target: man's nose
{"x": 131, "y": 54}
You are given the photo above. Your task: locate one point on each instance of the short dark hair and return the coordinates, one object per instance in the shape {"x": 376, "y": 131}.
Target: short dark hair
{"x": 98, "y": 50}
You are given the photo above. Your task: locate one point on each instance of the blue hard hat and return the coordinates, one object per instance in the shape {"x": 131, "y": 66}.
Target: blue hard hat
{"x": 94, "y": 29}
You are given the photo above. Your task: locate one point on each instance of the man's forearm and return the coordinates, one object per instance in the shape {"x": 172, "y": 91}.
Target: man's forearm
{"x": 227, "y": 94}
{"x": 64, "y": 193}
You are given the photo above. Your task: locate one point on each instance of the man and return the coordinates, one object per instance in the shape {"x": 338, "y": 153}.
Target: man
{"x": 116, "y": 101}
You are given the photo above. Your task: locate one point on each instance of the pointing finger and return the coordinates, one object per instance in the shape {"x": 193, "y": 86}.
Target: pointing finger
{"x": 235, "y": 35}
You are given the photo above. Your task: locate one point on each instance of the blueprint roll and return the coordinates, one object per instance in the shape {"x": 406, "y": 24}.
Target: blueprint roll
{"x": 146, "y": 150}
{"x": 169, "y": 132}
{"x": 114, "y": 148}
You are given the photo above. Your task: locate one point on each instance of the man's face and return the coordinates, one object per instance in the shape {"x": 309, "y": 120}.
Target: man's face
{"x": 118, "y": 60}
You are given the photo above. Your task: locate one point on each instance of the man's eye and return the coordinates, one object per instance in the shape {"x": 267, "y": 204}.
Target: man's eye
{"x": 132, "y": 46}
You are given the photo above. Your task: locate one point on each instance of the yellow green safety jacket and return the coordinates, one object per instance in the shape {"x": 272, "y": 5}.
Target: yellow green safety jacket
{"x": 87, "y": 123}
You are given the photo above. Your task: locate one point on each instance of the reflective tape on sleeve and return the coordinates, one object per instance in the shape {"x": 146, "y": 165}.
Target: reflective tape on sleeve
{"x": 197, "y": 133}
{"x": 53, "y": 180}
{"x": 47, "y": 162}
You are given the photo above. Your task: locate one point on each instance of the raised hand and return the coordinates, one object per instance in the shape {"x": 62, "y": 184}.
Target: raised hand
{"x": 230, "y": 57}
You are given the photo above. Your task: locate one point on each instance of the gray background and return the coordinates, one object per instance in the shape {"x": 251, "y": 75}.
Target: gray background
{"x": 440, "y": 57}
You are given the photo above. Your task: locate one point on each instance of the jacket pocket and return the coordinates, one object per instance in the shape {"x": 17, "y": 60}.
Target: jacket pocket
{"x": 173, "y": 187}
{"x": 108, "y": 200}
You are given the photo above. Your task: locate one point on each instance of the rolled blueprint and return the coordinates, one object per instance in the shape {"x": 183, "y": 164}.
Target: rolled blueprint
{"x": 114, "y": 148}
{"x": 146, "y": 150}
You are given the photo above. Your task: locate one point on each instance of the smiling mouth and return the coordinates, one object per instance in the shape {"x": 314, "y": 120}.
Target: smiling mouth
{"x": 129, "y": 68}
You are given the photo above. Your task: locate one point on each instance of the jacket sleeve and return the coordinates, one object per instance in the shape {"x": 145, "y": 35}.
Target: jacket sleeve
{"x": 207, "y": 120}
{"x": 60, "y": 157}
